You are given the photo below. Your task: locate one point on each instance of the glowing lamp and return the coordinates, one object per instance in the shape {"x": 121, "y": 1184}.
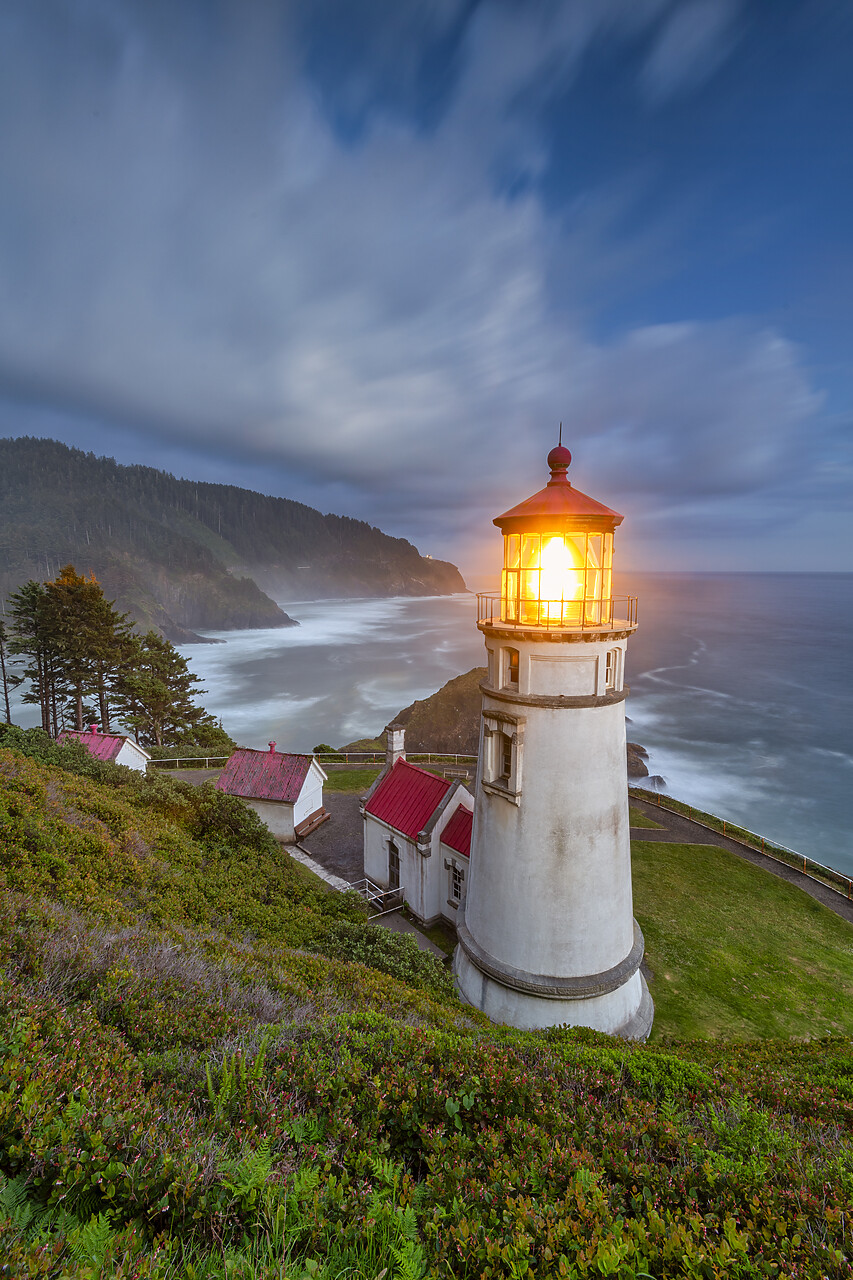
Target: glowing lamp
{"x": 558, "y": 555}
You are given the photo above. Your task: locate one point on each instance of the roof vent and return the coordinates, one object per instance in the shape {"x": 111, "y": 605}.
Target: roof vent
{"x": 93, "y": 728}
{"x": 272, "y": 747}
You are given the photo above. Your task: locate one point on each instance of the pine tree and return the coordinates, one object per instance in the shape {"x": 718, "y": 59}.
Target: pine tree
{"x": 9, "y": 681}
{"x": 89, "y": 634}
{"x": 31, "y": 638}
{"x": 155, "y": 693}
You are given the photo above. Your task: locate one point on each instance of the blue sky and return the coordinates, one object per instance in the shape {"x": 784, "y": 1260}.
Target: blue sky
{"x": 369, "y": 253}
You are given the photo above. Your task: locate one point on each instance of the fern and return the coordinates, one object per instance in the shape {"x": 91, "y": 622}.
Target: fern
{"x": 385, "y": 1171}
{"x": 411, "y": 1260}
{"x": 16, "y": 1204}
{"x": 235, "y": 1076}
{"x": 90, "y": 1242}
{"x": 246, "y": 1178}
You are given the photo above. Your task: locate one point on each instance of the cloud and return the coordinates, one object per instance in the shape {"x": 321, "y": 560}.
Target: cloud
{"x": 194, "y": 251}
{"x": 690, "y": 46}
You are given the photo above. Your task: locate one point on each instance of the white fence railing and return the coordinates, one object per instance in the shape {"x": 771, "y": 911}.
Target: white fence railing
{"x": 381, "y": 901}
{"x": 322, "y": 757}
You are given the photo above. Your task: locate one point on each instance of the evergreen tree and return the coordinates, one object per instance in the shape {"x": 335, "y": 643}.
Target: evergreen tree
{"x": 31, "y": 638}
{"x": 89, "y": 635}
{"x": 155, "y": 693}
{"x": 9, "y": 681}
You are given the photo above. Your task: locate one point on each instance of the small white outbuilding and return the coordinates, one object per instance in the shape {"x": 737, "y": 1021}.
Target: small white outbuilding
{"x": 417, "y": 835}
{"x": 116, "y": 748}
{"x": 284, "y": 789}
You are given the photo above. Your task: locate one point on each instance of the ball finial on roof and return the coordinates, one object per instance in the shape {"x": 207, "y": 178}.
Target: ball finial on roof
{"x": 559, "y": 460}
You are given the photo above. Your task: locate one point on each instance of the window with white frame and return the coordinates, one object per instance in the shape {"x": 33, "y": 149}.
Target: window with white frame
{"x": 502, "y": 741}
{"x": 510, "y": 668}
{"x": 611, "y": 670}
{"x": 457, "y": 880}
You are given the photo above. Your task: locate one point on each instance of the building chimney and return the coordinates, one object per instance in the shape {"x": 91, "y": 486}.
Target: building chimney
{"x": 93, "y": 728}
{"x": 395, "y": 744}
{"x": 272, "y": 747}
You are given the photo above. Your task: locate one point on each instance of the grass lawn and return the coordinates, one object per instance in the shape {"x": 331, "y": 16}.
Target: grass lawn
{"x": 350, "y": 779}
{"x": 735, "y": 952}
{"x": 639, "y": 819}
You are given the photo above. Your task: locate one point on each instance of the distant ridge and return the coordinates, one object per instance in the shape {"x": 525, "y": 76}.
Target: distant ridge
{"x": 183, "y": 555}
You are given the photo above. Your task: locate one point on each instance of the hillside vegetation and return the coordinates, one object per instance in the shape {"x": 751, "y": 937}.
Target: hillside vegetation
{"x": 212, "y": 1067}
{"x": 181, "y": 555}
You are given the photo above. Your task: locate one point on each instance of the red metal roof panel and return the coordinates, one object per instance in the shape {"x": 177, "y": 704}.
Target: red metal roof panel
{"x": 103, "y": 746}
{"x": 558, "y": 501}
{"x": 457, "y": 834}
{"x": 264, "y": 775}
{"x": 407, "y": 798}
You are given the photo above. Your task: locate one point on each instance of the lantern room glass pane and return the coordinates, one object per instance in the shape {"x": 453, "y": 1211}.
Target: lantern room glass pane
{"x": 557, "y": 578}
{"x": 531, "y": 545}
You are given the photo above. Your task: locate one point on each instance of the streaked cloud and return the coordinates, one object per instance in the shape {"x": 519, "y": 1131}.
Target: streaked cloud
{"x": 206, "y": 244}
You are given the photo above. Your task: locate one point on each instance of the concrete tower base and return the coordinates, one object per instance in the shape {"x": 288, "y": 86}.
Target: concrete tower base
{"x": 616, "y": 1002}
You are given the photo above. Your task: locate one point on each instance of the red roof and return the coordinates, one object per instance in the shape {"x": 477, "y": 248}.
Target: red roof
{"x": 264, "y": 775}
{"x": 556, "y": 504}
{"x": 103, "y": 746}
{"x": 407, "y": 798}
{"x": 457, "y": 834}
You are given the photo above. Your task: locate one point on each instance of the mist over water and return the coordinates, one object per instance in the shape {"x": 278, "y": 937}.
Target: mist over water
{"x": 341, "y": 674}
{"x": 740, "y": 688}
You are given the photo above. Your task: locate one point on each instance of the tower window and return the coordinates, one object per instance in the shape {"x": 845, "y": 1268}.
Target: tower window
{"x": 611, "y": 669}
{"x": 511, "y": 668}
{"x": 506, "y": 758}
{"x": 503, "y": 741}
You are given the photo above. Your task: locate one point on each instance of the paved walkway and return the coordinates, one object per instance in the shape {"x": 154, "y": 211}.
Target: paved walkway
{"x": 676, "y": 827}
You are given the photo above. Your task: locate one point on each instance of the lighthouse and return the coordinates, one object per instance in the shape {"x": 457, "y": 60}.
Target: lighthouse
{"x": 546, "y": 930}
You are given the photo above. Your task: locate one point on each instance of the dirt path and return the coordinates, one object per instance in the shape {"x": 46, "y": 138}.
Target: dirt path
{"x": 682, "y": 830}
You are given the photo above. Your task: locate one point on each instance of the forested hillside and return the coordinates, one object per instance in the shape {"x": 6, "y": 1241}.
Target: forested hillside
{"x": 181, "y": 555}
{"x": 211, "y": 1067}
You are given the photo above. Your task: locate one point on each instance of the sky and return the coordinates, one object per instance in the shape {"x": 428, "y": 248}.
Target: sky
{"x": 370, "y": 253}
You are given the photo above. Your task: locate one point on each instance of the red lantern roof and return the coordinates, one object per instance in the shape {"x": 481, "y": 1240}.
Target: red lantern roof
{"x": 559, "y": 506}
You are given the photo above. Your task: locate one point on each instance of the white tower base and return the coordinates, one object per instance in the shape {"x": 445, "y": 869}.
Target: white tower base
{"x": 528, "y": 1001}
{"x": 547, "y": 934}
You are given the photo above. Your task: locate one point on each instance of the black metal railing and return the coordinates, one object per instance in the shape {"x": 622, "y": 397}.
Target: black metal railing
{"x": 616, "y": 613}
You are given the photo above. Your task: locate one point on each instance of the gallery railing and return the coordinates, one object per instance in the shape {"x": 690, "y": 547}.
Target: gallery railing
{"x": 612, "y": 614}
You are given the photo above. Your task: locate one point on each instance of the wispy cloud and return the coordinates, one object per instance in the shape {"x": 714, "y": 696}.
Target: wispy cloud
{"x": 192, "y": 247}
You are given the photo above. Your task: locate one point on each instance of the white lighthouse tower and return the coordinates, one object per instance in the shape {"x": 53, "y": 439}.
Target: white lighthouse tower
{"x": 546, "y": 933}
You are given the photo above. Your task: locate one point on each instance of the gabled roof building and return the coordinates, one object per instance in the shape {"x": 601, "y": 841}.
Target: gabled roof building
{"x": 417, "y": 836}
{"x": 116, "y": 748}
{"x": 284, "y": 789}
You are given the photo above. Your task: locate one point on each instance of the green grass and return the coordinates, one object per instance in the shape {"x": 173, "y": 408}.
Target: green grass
{"x": 351, "y": 779}
{"x": 441, "y": 935}
{"x": 735, "y": 952}
{"x": 639, "y": 819}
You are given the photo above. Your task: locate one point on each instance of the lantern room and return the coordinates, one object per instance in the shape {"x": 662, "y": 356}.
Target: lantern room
{"x": 558, "y": 557}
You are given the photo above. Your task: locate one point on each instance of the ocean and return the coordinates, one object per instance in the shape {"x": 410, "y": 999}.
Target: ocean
{"x": 740, "y": 688}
